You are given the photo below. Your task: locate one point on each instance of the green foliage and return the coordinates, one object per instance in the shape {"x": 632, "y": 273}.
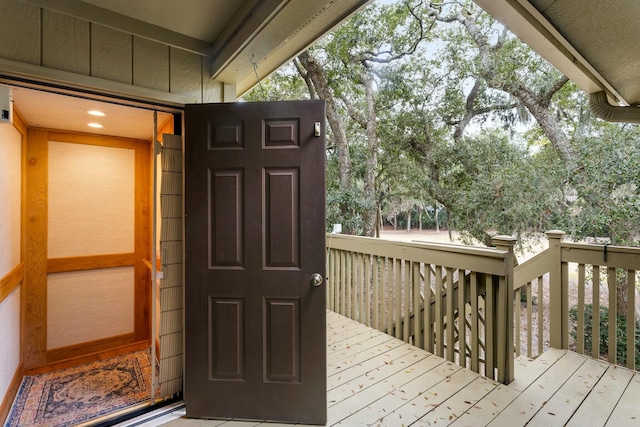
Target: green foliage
{"x": 284, "y": 85}
{"x": 481, "y": 158}
{"x": 607, "y": 202}
{"x": 345, "y": 207}
{"x": 621, "y": 333}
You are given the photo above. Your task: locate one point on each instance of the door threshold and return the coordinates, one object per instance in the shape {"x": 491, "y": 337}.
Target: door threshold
{"x": 141, "y": 414}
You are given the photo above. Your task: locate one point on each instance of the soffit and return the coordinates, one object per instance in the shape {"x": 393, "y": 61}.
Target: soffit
{"x": 200, "y": 19}
{"x": 593, "y": 42}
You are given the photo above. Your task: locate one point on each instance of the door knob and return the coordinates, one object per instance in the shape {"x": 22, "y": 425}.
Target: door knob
{"x": 316, "y": 279}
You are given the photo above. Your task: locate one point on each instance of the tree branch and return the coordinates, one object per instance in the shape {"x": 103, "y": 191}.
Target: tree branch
{"x": 548, "y": 94}
{"x": 305, "y": 76}
{"x": 353, "y": 113}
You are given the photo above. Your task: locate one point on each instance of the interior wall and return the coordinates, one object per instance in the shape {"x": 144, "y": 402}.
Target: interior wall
{"x": 91, "y": 212}
{"x": 91, "y": 200}
{"x": 10, "y": 188}
{"x": 10, "y": 253}
{"x": 89, "y": 305}
{"x": 10, "y": 336}
{"x": 88, "y": 204}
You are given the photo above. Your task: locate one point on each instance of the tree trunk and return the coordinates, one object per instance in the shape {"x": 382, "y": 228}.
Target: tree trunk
{"x": 622, "y": 292}
{"x": 372, "y": 157}
{"x": 319, "y": 79}
{"x": 409, "y": 221}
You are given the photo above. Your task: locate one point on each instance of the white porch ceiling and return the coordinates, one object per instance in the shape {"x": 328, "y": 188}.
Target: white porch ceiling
{"x": 593, "y": 42}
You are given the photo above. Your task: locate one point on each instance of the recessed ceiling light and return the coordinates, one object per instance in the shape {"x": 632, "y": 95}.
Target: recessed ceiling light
{"x": 96, "y": 113}
{"x": 95, "y": 125}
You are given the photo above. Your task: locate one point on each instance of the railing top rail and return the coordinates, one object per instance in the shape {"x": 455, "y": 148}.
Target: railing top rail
{"x": 531, "y": 269}
{"x": 483, "y": 260}
{"x": 602, "y": 255}
{"x": 631, "y": 250}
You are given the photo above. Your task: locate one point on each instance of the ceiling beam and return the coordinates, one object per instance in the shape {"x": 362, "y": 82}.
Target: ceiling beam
{"x": 242, "y": 30}
{"x": 116, "y": 21}
{"x": 289, "y": 30}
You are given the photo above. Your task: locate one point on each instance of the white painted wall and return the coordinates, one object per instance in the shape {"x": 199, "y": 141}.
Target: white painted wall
{"x": 10, "y": 190}
{"x": 10, "y": 337}
{"x": 10, "y": 182}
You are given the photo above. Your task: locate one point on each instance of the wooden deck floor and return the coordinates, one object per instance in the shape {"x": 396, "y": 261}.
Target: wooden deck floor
{"x": 374, "y": 379}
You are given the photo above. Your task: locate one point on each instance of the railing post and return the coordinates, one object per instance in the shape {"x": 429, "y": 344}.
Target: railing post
{"x": 558, "y": 323}
{"x": 505, "y": 353}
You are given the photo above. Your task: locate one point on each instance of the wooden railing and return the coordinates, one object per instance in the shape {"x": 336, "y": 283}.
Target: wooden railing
{"x": 454, "y": 301}
{"x": 444, "y": 298}
{"x": 574, "y": 296}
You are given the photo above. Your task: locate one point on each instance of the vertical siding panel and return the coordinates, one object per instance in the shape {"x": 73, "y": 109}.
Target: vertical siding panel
{"x": 186, "y": 74}
{"x": 212, "y": 91}
{"x": 111, "y": 53}
{"x": 20, "y": 23}
{"x": 65, "y": 43}
{"x": 150, "y": 64}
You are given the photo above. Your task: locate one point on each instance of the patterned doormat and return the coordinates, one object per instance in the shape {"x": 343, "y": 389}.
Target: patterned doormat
{"x": 71, "y": 396}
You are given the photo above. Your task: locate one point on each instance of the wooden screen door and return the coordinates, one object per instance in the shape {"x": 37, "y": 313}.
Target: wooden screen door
{"x": 255, "y": 332}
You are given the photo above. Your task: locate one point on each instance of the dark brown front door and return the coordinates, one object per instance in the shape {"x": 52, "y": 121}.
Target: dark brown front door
{"x": 255, "y": 338}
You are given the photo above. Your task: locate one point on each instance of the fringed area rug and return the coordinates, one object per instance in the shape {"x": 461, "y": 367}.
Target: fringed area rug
{"x": 71, "y": 396}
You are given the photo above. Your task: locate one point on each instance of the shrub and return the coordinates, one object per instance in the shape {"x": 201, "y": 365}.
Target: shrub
{"x": 621, "y": 333}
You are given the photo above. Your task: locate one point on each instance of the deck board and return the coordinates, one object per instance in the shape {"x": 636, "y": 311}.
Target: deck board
{"x": 371, "y": 377}
{"x": 423, "y": 403}
{"x": 487, "y": 408}
{"x": 374, "y": 379}
{"x": 353, "y": 346}
{"x": 432, "y": 371}
{"x": 626, "y": 412}
{"x": 570, "y": 396}
{"x": 603, "y": 398}
{"x": 365, "y": 397}
{"x": 533, "y": 399}
{"x": 382, "y": 360}
{"x": 526, "y": 372}
{"x": 453, "y": 408}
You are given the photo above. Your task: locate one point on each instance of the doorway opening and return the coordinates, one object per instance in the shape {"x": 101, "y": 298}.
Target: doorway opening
{"x": 89, "y": 221}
